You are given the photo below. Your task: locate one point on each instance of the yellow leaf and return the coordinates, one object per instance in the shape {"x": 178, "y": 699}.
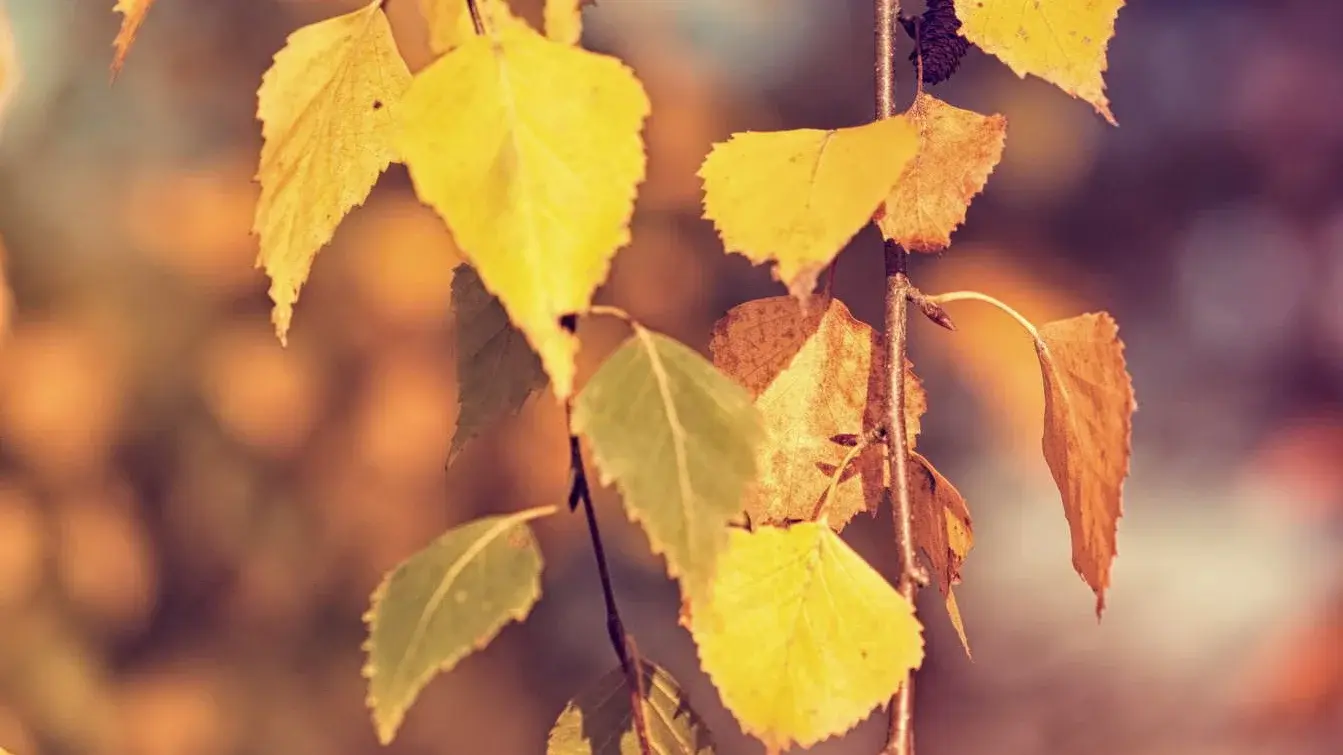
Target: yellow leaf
{"x": 958, "y": 149}
{"x": 450, "y": 25}
{"x": 942, "y": 530}
{"x": 798, "y": 197}
{"x": 814, "y": 375}
{"x": 1089, "y": 407}
{"x": 801, "y": 636}
{"x": 1061, "y": 41}
{"x": 564, "y": 20}
{"x": 325, "y": 113}
{"x": 531, "y": 151}
{"x": 133, "y": 14}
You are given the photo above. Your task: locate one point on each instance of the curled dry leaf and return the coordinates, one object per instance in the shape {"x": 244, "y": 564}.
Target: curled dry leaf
{"x": 797, "y": 197}
{"x": 1061, "y": 42}
{"x": 132, "y": 15}
{"x": 814, "y": 375}
{"x": 958, "y": 149}
{"x": 801, "y": 636}
{"x": 1089, "y": 407}
{"x": 942, "y": 530}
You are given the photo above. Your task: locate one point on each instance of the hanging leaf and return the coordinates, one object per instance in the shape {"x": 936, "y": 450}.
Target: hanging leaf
{"x": 564, "y": 20}
{"x": 1089, "y": 407}
{"x": 680, "y": 440}
{"x": 958, "y": 149}
{"x": 535, "y": 172}
{"x": 446, "y": 601}
{"x": 601, "y": 720}
{"x": 942, "y": 530}
{"x": 814, "y": 375}
{"x": 496, "y": 370}
{"x": 325, "y": 113}
{"x": 801, "y": 636}
{"x": 132, "y": 15}
{"x": 1061, "y": 42}
{"x": 797, "y": 197}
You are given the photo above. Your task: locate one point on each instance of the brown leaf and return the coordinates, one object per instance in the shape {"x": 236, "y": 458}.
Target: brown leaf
{"x": 958, "y": 149}
{"x": 942, "y": 530}
{"x": 1089, "y": 407}
{"x": 814, "y": 375}
{"x": 133, "y": 14}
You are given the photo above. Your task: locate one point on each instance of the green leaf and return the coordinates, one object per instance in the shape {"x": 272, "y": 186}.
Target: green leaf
{"x": 601, "y": 720}
{"x": 496, "y": 370}
{"x": 680, "y": 440}
{"x": 444, "y": 602}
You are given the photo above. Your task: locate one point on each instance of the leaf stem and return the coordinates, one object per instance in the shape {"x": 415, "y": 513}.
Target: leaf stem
{"x": 900, "y": 734}
{"x": 581, "y": 492}
{"x": 477, "y": 20}
{"x": 978, "y": 296}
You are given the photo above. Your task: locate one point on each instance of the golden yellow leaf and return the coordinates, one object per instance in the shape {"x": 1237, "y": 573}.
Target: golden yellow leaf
{"x": 813, "y": 375}
{"x": 450, "y": 25}
{"x": 534, "y": 171}
{"x": 942, "y": 530}
{"x": 1061, "y": 41}
{"x": 801, "y": 636}
{"x": 798, "y": 197}
{"x": 958, "y": 149}
{"x": 133, "y": 14}
{"x": 1089, "y": 407}
{"x": 564, "y": 20}
{"x": 325, "y": 113}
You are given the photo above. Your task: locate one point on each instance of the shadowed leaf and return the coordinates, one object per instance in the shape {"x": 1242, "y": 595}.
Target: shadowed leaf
{"x": 601, "y": 720}
{"x": 496, "y": 370}
{"x": 680, "y": 440}
{"x": 942, "y": 530}
{"x": 444, "y": 602}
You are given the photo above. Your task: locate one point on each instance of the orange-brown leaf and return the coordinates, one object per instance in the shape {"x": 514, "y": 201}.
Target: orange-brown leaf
{"x": 942, "y": 530}
{"x": 133, "y": 14}
{"x": 958, "y": 149}
{"x": 1089, "y": 407}
{"x": 814, "y": 375}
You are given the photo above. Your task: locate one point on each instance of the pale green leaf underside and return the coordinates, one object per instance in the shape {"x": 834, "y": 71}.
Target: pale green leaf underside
{"x": 680, "y": 439}
{"x": 601, "y": 720}
{"x": 496, "y": 369}
{"x": 444, "y": 602}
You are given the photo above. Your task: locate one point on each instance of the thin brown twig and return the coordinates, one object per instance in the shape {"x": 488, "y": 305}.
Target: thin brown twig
{"x": 900, "y": 734}
{"x": 581, "y": 493}
{"x": 477, "y": 20}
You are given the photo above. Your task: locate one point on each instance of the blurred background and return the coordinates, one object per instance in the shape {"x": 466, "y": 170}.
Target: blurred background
{"x": 192, "y": 518}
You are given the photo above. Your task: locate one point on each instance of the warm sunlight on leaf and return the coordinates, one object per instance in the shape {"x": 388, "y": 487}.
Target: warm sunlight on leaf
{"x": 132, "y": 15}
{"x": 801, "y": 636}
{"x": 535, "y": 172}
{"x": 600, "y": 721}
{"x": 1089, "y": 407}
{"x": 680, "y": 440}
{"x": 958, "y": 149}
{"x": 325, "y": 112}
{"x": 797, "y": 197}
{"x": 942, "y": 530}
{"x": 496, "y": 370}
{"x": 1061, "y": 41}
{"x": 445, "y": 602}
{"x": 564, "y": 20}
{"x": 814, "y": 376}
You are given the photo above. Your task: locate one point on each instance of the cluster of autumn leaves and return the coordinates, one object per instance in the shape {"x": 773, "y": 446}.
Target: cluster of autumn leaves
{"x": 530, "y": 148}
